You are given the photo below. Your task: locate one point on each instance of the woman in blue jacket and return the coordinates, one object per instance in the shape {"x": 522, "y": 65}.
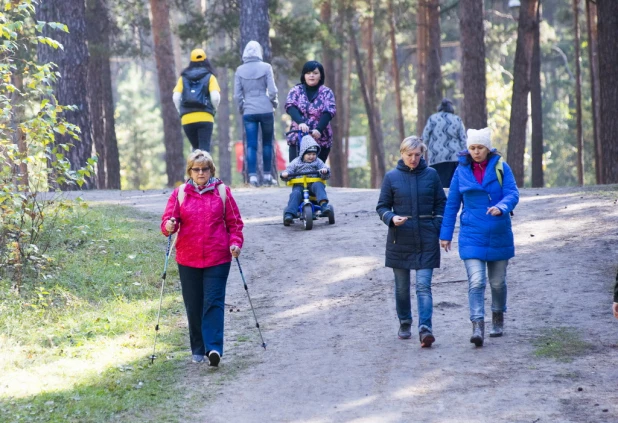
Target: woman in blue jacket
{"x": 411, "y": 204}
{"x": 486, "y": 187}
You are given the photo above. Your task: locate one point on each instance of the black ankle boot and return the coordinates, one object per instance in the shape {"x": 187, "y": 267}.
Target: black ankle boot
{"x": 405, "y": 329}
{"x": 478, "y": 333}
{"x": 497, "y": 324}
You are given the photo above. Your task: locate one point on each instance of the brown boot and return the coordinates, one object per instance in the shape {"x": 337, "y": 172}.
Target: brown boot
{"x": 478, "y": 333}
{"x": 497, "y": 325}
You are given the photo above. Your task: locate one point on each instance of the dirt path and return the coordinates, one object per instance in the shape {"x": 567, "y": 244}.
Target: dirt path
{"x": 326, "y": 306}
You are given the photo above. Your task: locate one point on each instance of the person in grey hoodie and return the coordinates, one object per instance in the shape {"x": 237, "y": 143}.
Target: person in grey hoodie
{"x": 255, "y": 94}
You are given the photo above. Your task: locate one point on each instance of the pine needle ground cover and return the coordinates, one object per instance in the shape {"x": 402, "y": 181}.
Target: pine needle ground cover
{"x": 75, "y": 343}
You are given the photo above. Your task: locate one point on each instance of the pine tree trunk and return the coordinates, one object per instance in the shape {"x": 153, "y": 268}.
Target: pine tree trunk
{"x": 166, "y": 73}
{"x": 521, "y": 88}
{"x": 72, "y": 64}
{"x": 579, "y": 142}
{"x": 224, "y": 166}
{"x": 255, "y": 25}
{"x": 473, "y": 63}
{"x": 536, "y": 104}
{"x": 593, "y": 46}
{"x": 399, "y": 123}
{"x": 429, "y": 75}
{"x": 608, "y": 77}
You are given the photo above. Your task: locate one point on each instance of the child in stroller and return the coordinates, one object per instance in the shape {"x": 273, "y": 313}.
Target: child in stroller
{"x": 307, "y": 163}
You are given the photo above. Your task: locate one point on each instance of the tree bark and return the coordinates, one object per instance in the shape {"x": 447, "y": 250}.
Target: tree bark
{"x": 429, "y": 76}
{"x": 224, "y": 167}
{"x": 579, "y": 142}
{"x": 608, "y": 78}
{"x": 72, "y": 64}
{"x": 473, "y": 63}
{"x": 166, "y": 72}
{"x": 593, "y": 46}
{"x": 100, "y": 95}
{"x": 378, "y": 168}
{"x": 536, "y": 104}
{"x": 255, "y": 25}
{"x": 399, "y": 123}
{"x": 521, "y": 88}
{"x": 375, "y": 132}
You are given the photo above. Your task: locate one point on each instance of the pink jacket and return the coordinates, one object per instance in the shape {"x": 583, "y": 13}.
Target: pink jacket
{"x": 204, "y": 234}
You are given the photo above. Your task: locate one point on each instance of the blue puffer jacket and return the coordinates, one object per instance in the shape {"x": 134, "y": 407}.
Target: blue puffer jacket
{"x": 481, "y": 235}
{"x": 418, "y": 194}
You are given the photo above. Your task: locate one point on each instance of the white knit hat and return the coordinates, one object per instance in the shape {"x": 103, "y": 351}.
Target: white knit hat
{"x": 479, "y": 136}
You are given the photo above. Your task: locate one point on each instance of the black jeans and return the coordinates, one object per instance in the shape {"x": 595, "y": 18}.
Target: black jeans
{"x": 293, "y": 152}
{"x": 203, "y": 291}
{"x": 199, "y": 134}
{"x": 296, "y": 196}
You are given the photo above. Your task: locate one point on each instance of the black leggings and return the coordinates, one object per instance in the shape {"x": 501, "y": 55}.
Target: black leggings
{"x": 199, "y": 134}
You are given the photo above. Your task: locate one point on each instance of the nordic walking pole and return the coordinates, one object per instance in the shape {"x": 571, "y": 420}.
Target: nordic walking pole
{"x": 257, "y": 325}
{"x": 170, "y": 246}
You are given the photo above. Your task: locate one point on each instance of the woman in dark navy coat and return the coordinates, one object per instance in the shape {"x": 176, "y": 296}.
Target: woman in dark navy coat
{"x": 411, "y": 204}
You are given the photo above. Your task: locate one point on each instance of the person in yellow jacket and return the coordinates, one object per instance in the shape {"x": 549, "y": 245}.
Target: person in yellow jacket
{"x": 196, "y": 97}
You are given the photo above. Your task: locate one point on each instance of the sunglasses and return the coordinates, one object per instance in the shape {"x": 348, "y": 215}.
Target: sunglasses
{"x": 200, "y": 169}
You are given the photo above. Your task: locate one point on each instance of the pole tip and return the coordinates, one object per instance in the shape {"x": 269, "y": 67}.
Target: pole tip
{"x": 264, "y": 345}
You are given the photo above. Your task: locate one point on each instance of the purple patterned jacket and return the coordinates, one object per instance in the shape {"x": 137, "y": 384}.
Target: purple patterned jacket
{"x": 323, "y": 102}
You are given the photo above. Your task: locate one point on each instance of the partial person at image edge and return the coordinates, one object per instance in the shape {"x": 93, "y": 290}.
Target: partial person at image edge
{"x": 196, "y": 97}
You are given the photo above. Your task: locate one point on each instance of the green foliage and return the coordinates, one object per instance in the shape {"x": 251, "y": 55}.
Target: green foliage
{"x": 32, "y": 162}
{"x": 140, "y": 131}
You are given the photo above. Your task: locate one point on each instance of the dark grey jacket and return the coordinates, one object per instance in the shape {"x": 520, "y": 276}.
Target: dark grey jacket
{"x": 255, "y": 91}
{"x": 418, "y": 195}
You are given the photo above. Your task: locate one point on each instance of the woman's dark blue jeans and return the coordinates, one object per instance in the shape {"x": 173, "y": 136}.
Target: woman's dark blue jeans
{"x": 203, "y": 291}
{"x": 252, "y": 122}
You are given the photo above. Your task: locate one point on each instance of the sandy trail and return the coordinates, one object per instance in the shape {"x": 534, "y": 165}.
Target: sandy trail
{"x": 325, "y": 303}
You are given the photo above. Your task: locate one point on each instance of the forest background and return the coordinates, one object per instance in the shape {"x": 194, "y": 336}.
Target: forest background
{"x": 389, "y": 63}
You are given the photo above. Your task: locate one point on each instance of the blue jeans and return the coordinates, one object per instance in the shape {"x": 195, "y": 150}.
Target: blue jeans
{"x": 296, "y": 196}
{"x": 267, "y": 121}
{"x": 423, "y": 296}
{"x": 478, "y": 272}
{"x": 203, "y": 291}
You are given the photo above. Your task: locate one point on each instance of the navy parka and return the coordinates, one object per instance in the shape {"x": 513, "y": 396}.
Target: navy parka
{"x": 416, "y": 194}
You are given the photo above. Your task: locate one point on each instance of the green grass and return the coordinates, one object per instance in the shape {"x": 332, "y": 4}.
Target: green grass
{"x": 74, "y": 346}
{"x": 561, "y": 344}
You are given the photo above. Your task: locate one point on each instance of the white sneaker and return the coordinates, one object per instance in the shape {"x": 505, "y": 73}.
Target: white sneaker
{"x": 253, "y": 181}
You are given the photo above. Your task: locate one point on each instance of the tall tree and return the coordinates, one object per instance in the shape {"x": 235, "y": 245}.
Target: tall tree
{"x": 255, "y": 25}
{"x": 367, "y": 88}
{"x": 223, "y": 118}
{"x": 608, "y": 78}
{"x": 593, "y": 59}
{"x": 72, "y": 63}
{"x": 100, "y": 94}
{"x": 579, "y": 142}
{"x": 521, "y": 88}
{"x": 333, "y": 66}
{"x": 166, "y": 74}
{"x": 429, "y": 75}
{"x": 473, "y": 63}
{"x": 399, "y": 123}
{"x": 536, "y": 106}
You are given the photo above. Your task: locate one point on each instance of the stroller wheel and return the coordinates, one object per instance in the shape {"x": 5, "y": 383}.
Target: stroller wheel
{"x": 308, "y": 216}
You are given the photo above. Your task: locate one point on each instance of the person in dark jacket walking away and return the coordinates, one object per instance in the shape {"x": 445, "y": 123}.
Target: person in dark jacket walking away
{"x": 206, "y": 218}
{"x": 445, "y": 136}
{"x": 311, "y": 105}
{"x": 197, "y": 97}
{"x": 307, "y": 163}
{"x": 485, "y": 185}
{"x": 255, "y": 94}
{"x": 411, "y": 204}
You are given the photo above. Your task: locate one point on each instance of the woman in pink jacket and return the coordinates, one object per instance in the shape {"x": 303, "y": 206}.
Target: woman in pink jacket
{"x": 209, "y": 232}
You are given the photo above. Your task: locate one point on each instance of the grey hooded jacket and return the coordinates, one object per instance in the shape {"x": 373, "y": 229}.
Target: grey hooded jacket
{"x": 255, "y": 91}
